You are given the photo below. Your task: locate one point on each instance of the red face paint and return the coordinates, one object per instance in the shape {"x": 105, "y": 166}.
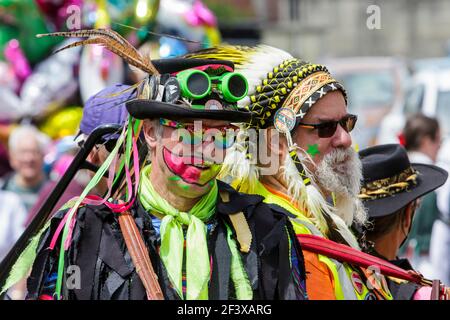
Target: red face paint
{"x": 187, "y": 168}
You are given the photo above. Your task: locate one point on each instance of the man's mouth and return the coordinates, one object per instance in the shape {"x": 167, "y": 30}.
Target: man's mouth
{"x": 189, "y": 168}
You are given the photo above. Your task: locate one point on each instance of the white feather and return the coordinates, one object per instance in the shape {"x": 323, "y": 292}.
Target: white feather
{"x": 261, "y": 62}
{"x": 345, "y": 231}
{"x": 238, "y": 170}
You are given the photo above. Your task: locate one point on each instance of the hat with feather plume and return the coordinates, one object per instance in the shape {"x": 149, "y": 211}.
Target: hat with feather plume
{"x": 282, "y": 89}
{"x": 159, "y": 94}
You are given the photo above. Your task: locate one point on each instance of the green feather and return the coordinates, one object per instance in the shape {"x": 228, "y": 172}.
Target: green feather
{"x": 25, "y": 261}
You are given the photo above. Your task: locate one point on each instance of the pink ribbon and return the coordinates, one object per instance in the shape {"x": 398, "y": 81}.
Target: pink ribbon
{"x": 96, "y": 200}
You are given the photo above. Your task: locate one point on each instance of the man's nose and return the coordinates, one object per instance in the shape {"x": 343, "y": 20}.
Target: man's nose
{"x": 342, "y": 138}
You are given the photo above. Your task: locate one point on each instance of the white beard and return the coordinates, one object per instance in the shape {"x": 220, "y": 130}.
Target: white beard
{"x": 340, "y": 172}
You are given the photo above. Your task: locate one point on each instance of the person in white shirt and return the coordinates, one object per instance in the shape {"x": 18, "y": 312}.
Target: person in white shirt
{"x": 422, "y": 140}
{"x": 12, "y": 218}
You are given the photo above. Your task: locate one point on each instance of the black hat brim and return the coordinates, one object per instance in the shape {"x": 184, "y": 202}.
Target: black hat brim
{"x": 430, "y": 178}
{"x": 147, "y": 109}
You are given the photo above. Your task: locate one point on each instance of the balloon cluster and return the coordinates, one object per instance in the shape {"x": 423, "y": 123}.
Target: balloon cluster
{"x": 49, "y": 90}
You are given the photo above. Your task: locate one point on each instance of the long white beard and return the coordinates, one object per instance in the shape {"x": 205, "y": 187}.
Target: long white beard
{"x": 340, "y": 172}
{"x": 308, "y": 198}
{"x": 312, "y": 200}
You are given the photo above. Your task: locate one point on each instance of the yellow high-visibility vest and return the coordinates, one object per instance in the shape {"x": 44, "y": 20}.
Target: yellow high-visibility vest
{"x": 344, "y": 288}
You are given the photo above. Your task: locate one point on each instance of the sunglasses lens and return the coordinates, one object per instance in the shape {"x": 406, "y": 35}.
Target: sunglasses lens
{"x": 351, "y": 123}
{"x": 110, "y": 145}
{"x": 327, "y": 130}
{"x": 348, "y": 123}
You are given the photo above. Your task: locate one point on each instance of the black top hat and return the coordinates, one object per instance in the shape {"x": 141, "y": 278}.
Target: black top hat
{"x": 391, "y": 181}
{"x": 170, "y": 105}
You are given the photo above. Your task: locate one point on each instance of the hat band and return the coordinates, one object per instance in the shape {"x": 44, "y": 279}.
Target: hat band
{"x": 389, "y": 186}
{"x": 306, "y": 88}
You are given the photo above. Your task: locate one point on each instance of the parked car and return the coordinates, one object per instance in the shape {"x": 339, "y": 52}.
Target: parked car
{"x": 375, "y": 85}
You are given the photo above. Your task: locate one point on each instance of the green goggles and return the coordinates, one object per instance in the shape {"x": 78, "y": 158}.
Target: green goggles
{"x": 196, "y": 85}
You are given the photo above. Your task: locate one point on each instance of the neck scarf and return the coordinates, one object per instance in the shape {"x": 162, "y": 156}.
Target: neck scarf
{"x": 172, "y": 238}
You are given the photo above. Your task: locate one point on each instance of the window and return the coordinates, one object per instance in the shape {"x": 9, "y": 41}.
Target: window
{"x": 443, "y": 111}
{"x": 414, "y": 99}
{"x": 369, "y": 90}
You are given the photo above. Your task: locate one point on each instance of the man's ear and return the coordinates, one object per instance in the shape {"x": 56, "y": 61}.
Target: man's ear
{"x": 408, "y": 216}
{"x": 150, "y": 135}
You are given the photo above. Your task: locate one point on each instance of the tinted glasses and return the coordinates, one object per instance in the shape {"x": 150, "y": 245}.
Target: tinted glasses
{"x": 328, "y": 129}
{"x": 223, "y": 136}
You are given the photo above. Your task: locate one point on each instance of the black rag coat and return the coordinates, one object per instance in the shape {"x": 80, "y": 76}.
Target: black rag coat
{"x": 274, "y": 265}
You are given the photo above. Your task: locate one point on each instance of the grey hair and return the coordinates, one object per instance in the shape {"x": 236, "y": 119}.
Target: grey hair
{"x": 25, "y": 132}
{"x": 158, "y": 129}
{"x": 158, "y": 133}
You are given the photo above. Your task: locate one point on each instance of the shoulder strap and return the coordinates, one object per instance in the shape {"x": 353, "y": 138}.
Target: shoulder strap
{"x": 240, "y": 225}
{"x": 139, "y": 255}
{"x": 347, "y": 254}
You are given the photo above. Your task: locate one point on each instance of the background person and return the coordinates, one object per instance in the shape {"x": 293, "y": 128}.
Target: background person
{"x": 422, "y": 140}
{"x": 391, "y": 193}
{"x": 27, "y": 147}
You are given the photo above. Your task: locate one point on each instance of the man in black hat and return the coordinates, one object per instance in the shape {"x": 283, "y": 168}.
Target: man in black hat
{"x": 201, "y": 238}
{"x": 391, "y": 193}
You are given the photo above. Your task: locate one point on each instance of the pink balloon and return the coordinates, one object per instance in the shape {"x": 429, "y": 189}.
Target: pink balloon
{"x": 200, "y": 15}
{"x": 14, "y": 55}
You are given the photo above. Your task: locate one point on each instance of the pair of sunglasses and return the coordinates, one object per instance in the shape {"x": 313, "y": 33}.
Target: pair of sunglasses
{"x": 328, "y": 129}
{"x": 223, "y": 137}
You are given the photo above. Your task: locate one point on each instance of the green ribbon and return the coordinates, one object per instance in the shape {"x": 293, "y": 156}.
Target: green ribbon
{"x": 94, "y": 181}
{"x": 242, "y": 286}
{"x": 172, "y": 238}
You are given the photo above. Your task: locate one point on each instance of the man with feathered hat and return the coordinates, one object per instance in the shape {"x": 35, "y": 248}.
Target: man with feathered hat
{"x": 301, "y": 113}
{"x": 171, "y": 230}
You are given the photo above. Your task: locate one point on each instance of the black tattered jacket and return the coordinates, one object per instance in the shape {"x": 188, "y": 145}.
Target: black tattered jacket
{"x": 107, "y": 272}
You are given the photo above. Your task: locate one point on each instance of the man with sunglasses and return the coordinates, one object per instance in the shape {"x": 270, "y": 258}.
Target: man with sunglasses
{"x": 301, "y": 112}
{"x": 203, "y": 240}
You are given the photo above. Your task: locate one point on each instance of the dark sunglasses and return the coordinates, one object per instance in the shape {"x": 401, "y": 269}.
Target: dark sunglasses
{"x": 327, "y": 129}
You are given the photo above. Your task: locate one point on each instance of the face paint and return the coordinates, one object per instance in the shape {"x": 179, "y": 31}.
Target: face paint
{"x": 313, "y": 149}
{"x": 191, "y": 170}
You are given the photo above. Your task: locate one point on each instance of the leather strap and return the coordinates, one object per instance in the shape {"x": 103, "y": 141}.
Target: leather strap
{"x": 240, "y": 224}
{"x": 139, "y": 254}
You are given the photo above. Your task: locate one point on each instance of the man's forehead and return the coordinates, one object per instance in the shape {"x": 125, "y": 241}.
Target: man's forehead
{"x": 331, "y": 107}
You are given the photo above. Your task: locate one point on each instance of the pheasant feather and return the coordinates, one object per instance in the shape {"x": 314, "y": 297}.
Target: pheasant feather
{"x": 112, "y": 41}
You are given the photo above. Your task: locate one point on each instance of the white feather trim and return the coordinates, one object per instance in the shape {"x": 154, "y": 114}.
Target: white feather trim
{"x": 238, "y": 170}
{"x": 261, "y": 62}
{"x": 345, "y": 231}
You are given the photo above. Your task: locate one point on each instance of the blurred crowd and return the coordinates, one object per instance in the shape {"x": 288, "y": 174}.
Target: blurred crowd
{"x": 42, "y": 96}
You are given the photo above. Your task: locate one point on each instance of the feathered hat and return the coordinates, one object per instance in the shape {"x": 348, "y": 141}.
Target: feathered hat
{"x": 175, "y": 88}
{"x": 282, "y": 89}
